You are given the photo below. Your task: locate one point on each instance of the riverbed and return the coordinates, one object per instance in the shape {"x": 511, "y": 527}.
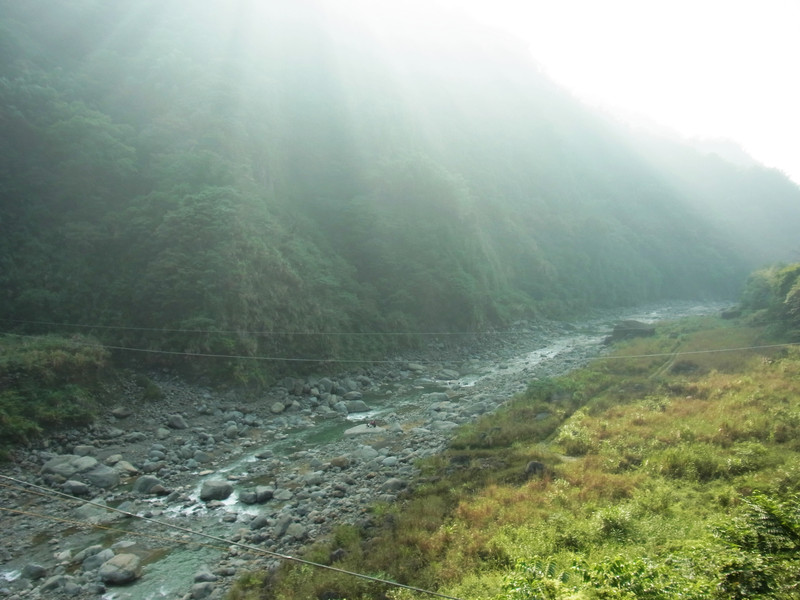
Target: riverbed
{"x": 319, "y": 451}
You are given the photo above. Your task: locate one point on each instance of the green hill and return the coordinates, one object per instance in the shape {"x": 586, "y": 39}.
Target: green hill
{"x": 194, "y": 174}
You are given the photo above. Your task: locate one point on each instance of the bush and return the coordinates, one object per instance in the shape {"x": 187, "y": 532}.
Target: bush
{"x": 47, "y": 383}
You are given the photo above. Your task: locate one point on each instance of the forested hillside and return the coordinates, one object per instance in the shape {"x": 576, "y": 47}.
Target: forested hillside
{"x": 244, "y": 167}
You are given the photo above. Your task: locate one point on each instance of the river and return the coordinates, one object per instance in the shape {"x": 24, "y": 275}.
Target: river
{"x": 414, "y": 407}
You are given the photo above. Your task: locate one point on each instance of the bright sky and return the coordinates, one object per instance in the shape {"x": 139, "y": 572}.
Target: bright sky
{"x": 704, "y": 68}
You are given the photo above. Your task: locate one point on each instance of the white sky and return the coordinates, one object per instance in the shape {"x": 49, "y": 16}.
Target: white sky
{"x": 704, "y": 68}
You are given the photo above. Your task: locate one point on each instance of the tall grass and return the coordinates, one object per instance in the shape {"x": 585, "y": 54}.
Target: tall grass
{"x": 644, "y": 458}
{"x": 46, "y": 383}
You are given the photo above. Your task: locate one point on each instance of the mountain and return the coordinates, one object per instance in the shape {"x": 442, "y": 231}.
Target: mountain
{"x": 185, "y": 176}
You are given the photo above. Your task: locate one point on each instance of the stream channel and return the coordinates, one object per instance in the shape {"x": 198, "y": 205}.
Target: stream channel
{"x": 413, "y": 409}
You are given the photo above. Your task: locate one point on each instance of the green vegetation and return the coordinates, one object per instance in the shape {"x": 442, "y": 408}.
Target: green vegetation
{"x": 222, "y": 182}
{"x": 47, "y": 383}
{"x": 772, "y": 296}
{"x": 668, "y": 475}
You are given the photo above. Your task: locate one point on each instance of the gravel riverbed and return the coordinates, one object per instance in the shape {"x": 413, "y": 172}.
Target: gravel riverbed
{"x": 273, "y": 472}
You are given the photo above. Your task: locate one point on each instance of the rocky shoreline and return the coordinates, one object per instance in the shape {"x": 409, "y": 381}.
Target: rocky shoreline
{"x": 274, "y": 472}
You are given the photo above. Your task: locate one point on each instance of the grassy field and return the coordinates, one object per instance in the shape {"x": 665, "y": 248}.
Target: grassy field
{"x": 665, "y": 470}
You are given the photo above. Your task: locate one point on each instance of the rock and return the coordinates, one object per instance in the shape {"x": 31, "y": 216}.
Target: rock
{"x": 449, "y": 374}
{"x": 95, "y": 561}
{"x": 630, "y": 329}
{"x": 121, "y": 412}
{"x": 75, "y": 488}
{"x": 95, "y": 513}
{"x": 394, "y": 485}
{"x": 340, "y": 462}
{"x": 259, "y": 522}
{"x": 67, "y": 465}
{"x": 121, "y": 569}
{"x": 277, "y": 408}
{"x": 314, "y": 478}
{"x": 352, "y": 395}
{"x": 356, "y": 406}
{"x": 202, "y": 590}
{"x": 296, "y": 531}
{"x": 177, "y": 422}
{"x": 366, "y": 453}
{"x": 84, "y": 450}
{"x": 282, "y": 525}
{"x": 54, "y": 583}
{"x": 103, "y": 476}
{"x": 264, "y": 493}
{"x": 160, "y": 490}
{"x": 443, "y": 425}
{"x": 203, "y": 457}
{"x": 34, "y": 571}
{"x": 205, "y": 575}
{"x": 125, "y": 469}
{"x": 163, "y": 433}
{"x": 215, "y": 489}
{"x": 416, "y": 367}
{"x": 325, "y": 384}
{"x": 283, "y": 495}
{"x": 362, "y": 429}
{"x": 145, "y": 484}
{"x": 248, "y": 497}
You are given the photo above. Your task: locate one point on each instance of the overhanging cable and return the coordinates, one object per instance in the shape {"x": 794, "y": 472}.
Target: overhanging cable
{"x": 384, "y": 361}
{"x": 241, "y": 332}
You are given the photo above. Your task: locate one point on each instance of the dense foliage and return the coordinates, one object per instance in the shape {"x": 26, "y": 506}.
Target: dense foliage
{"x": 772, "y": 295}
{"x": 220, "y": 170}
{"x": 669, "y": 475}
{"x": 47, "y": 383}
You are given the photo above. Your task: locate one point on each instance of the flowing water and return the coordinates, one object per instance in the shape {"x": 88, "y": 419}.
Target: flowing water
{"x": 169, "y": 573}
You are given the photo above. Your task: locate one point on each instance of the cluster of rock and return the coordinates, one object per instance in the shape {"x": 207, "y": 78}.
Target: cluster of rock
{"x": 167, "y": 467}
{"x": 91, "y": 570}
{"x": 175, "y": 461}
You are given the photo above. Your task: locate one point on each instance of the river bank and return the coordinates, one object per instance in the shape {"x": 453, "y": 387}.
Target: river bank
{"x": 274, "y": 472}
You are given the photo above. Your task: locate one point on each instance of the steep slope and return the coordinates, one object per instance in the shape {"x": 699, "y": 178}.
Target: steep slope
{"x": 304, "y": 167}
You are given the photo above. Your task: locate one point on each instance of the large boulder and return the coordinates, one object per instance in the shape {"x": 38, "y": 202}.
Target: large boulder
{"x": 67, "y": 465}
{"x": 146, "y": 483}
{"x": 394, "y": 485}
{"x": 215, "y": 489}
{"x": 103, "y": 476}
{"x": 356, "y": 406}
{"x": 95, "y": 561}
{"x": 121, "y": 569}
{"x": 626, "y": 330}
{"x": 264, "y": 493}
{"x": 177, "y": 422}
{"x": 75, "y": 488}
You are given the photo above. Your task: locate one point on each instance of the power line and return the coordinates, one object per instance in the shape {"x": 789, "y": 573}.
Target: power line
{"x": 500, "y": 332}
{"x": 264, "y": 333}
{"x": 61, "y": 495}
{"x": 687, "y": 352}
{"x": 378, "y": 361}
{"x": 227, "y": 356}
